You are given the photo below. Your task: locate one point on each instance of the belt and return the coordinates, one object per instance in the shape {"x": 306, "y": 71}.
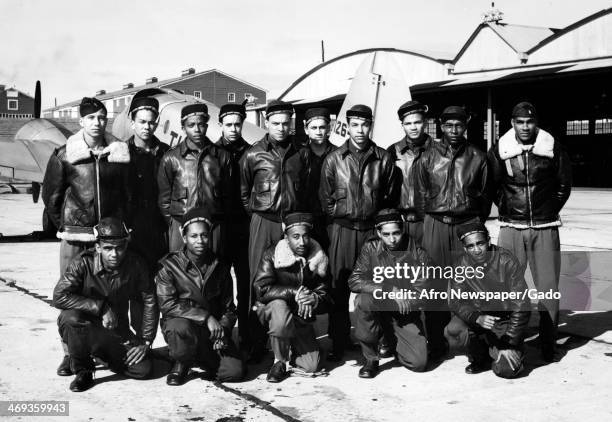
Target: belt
{"x": 269, "y": 216}
{"x": 448, "y": 219}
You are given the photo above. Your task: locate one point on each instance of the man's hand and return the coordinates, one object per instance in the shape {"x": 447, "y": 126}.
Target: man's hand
{"x": 305, "y": 310}
{"x": 109, "y": 319}
{"x": 216, "y": 330}
{"x": 402, "y": 304}
{"x": 486, "y": 321}
{"x": 136, "y": 354}
{"x": 306, "y": 297}
{"x": 511, "y": 356}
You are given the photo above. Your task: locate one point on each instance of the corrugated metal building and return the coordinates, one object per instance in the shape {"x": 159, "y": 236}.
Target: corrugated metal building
{"x": 566, "y": 73}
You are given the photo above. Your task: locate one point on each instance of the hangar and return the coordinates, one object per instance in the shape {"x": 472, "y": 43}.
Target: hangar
{"x": 566, "y": 73}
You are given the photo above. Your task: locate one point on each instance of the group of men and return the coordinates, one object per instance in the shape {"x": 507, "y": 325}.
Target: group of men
{"x": 146, "y": 229}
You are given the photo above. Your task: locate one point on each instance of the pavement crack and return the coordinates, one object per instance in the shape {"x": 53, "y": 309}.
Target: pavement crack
{"x": 12, "y": 283}
{"x": 257, "y": 401}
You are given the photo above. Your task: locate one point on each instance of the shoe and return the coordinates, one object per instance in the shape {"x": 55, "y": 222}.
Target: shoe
{"x": 63, "y": 370}
{"x": 277, "y": 373}
{"x": 335, "y": 355}
{"x": 83, "y": 381}
{"x": 385, "y": 351}
{"x": 177, "y": 374}
{"x": 477, "y": 367}
{"x": 369, "y": 370}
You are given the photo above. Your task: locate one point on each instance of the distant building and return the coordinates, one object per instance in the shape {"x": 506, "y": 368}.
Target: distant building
{"x": 211, "y": 85}
{"x": 14, "y": 104}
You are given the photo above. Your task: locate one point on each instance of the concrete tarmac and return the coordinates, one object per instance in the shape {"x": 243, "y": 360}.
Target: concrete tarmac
{"x": 576, "y": 387}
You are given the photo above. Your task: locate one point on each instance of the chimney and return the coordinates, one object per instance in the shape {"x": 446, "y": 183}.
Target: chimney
{"x": 151, "y": 80}
{"x": 128, "y": 85}
{"x": 189, "y": 71}
{"x": 100, "y": 92}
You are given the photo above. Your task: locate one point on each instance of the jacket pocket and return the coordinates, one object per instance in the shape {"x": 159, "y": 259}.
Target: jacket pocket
{"x": 340, "y": 208}
{"x": 263, "y": 196}
{"x": 179, "y": 198}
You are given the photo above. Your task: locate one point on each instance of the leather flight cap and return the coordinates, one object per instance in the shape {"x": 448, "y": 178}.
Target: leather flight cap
{"x": 524, "y": 109}
{"x": 454, "y": 113}
{"x": 316, "y": 113}
{"x": 195, "y": 215}
{"x": 278, "y": 107}
{"x": 227, "y": 109}
{"x": 144, "y": 103}
{"x": 411, "y": 107}
{"x": 298, "y": 219}
{"x": 359, "y": 111}
{"x": 111, "y": 228}
{"x": 90, "y": 105}
{"x": 197, "y": 109}
{"x": 465, "y": 230}
{"x": 387, "y": 216}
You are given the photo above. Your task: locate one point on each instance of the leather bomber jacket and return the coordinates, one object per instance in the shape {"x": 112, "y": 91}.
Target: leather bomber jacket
{"x": 184, "y": 291}
{"x": 80, "y": 187}
{"x": 356, "y": 190}
{"x": 374, "y": 254}
{"x": 273, "y": 183}
{"x": 276, "y": 281}
{"x": 537, "y": 188}
{"x": 406, "y": 157}
{"x": 88, "y": 287}
{"x": 502, "y": 273}
{"x": 190, "y": 177}
{"x": 454, "y": 183}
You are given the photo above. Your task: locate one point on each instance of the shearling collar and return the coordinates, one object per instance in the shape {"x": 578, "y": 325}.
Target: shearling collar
{"x": 509, "y": 147}
{"x": 78, "y": 150}
{"x": 317, "y": 260}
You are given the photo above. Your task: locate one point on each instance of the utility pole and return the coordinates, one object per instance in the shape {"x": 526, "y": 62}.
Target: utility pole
{"x": 322, "y": 52}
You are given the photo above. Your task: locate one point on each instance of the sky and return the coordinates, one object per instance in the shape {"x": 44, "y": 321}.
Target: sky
{"x": 78, "y": 47}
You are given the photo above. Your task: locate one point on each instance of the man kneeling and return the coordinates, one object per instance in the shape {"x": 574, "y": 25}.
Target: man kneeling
{"x": 291, "y": 288}
{"x": 492, "y": 330}
{"x": 95, "y": 294}
{"x": 381, "y": 302}
{"x": 195, "y": 295}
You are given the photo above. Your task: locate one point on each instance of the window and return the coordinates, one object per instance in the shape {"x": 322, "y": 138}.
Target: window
{"x": 197, "y": 94}
{"x": 430, "y": 128}
{"x": 485, "y": 132}
{"x": 231, "y": 97}
{"x": 603, "y": 126}
{"x": 577, "y": 127}
{"x": 13, "y": 104}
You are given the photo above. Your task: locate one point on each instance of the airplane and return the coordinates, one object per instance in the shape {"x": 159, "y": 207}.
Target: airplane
{"x": 169, "y": 128}
{"x": 379, "y": 84}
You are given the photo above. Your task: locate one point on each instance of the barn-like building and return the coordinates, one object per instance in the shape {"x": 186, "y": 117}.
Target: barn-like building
{"x": 566, "y": 73}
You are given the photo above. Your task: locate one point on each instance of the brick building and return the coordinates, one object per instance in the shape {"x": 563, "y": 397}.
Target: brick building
{"x": 14, "y": 104}
{"x": 211, "y": 85}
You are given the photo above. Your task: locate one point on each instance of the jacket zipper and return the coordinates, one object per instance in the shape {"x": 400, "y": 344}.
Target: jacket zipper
{"x": 528, "y": 188}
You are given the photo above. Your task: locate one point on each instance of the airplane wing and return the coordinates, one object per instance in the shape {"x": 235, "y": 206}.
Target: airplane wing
{"x": 379, "y": 84}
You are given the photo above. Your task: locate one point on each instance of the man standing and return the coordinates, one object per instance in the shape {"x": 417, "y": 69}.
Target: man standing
{"x": 95, "y": 294}
{"x": 532, "y": 178}
{"x": 492, "y": 330}
{"x": 195, "y": 295}
{"x": 452, "y": 185}
{"x": 316, "y": 126}
{"x": 407, "y": 153}
{"x": 357, "y": 180}
{"x": 231, "y": 119}
{"x": 195, "y": 173}
{"x": 291, "y": 288}
{"x": 86, "y": 180}
{"x": 149, "y": 236}
{"x": 391, "y": 248}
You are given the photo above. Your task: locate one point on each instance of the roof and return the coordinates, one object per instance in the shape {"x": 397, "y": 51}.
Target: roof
{"x": 158, "y": 84}
{"x": 9, "y": 88}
